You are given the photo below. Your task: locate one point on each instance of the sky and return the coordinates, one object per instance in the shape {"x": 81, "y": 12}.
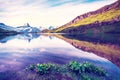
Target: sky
{"x": 45, "y": 13}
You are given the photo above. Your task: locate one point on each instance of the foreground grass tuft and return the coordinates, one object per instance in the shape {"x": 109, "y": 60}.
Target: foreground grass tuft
{"x": 73, "y": 70}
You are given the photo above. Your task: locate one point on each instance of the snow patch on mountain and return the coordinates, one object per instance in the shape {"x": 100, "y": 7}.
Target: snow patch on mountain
{"x": 27, "y": 28}
{"x": 21, "y": 29}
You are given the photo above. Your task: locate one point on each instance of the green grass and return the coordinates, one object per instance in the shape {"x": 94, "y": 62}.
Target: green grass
{"x": 74, "y": 70}
{"x": 109, "y": 28}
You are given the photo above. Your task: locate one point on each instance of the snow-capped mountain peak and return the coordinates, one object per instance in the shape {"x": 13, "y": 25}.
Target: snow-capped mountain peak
{"x": 27, "y": 28}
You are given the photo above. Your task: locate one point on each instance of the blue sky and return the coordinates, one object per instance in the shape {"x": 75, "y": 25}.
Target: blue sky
{"x": 53, "y": 3}
{"x": 46, "y": 12}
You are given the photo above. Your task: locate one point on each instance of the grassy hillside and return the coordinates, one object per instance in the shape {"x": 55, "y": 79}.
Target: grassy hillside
{"x": 95, "y": 28}
{"x": 103, "y": 17}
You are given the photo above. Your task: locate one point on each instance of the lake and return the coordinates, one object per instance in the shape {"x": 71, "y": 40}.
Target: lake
{"x": 19, "y": 51}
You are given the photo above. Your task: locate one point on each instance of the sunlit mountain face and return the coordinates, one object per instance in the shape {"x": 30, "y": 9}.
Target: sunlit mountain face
{"x": 105, "y": 19}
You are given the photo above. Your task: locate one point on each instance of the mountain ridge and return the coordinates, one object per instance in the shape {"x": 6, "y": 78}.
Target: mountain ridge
{"x": 107, "y": 13}
{"x": 26, "y": 28}
{"x": 6, "y": 29}
{"x": 115, "y": 5}
{"x": 20, "y": 29}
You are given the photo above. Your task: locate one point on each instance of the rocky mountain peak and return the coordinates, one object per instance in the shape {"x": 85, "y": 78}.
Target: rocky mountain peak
{"x": 27, "y": 25}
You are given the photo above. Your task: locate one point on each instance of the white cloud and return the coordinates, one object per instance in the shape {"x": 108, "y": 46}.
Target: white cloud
{"x": 38, "y": 13}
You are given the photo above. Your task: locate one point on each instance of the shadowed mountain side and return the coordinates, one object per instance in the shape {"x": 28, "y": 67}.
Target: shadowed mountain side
{"x": 105, "y": 27}
{"x": 6, "y": 32}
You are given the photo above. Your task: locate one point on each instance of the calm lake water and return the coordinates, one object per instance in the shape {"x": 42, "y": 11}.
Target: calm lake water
{"x": 19, "y": 51}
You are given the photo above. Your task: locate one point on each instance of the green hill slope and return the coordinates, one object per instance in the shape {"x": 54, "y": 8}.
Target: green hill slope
{"x": 108, "y": 14}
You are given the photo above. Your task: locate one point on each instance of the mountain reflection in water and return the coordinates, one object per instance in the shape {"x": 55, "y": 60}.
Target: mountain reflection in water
{"x": 104, "y": 45}
{"x": 19, "y": 51}
{"x": 29, "y": 37}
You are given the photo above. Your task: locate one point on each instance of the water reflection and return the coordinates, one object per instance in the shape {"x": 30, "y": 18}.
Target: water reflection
{"x": 104, "y": 45}
{"x": 19, "y": 51}
{"x": 29, "y": 37}
{"x": 104, "y": 38}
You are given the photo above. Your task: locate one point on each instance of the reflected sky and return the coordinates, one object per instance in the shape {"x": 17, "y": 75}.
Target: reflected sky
{"x": 17, "y": 53}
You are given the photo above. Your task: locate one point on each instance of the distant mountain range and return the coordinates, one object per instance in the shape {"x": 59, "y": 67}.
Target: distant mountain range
{"x": 48, "y": 30}
{"x": 27, "y": 28}
{"x": 21, "y": 29}
{"x": 105, "y": 19}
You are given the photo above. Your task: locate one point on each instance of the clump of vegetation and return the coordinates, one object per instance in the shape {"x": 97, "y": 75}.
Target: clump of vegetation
{"x": 86, "y": 67}
{"x": 44, "y": 68}
{"x": 81, "y": 71}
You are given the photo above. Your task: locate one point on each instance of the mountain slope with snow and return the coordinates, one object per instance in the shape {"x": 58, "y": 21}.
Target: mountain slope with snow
{"x": 6, "y": 27}
{"x": 27, "y": 28}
